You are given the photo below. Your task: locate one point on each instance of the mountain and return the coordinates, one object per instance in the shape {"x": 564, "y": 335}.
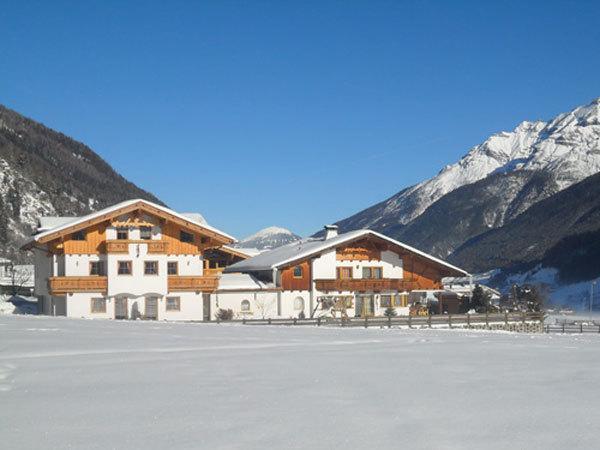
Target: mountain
{"x": 562, "y": 231}
{"x": 269, "y": 238}
{"x": 492, "y": 184}
{"x": 44, "y": 172}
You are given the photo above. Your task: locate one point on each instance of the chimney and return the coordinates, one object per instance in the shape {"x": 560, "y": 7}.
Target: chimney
{"x": 331, "y": 231}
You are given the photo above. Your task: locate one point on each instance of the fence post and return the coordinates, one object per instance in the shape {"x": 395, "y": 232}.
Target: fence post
{"x": 295, "y": 321}
{"x": 581, "y": 327}
{"x": 468, "y": 320}
{"x": 366, "y": 322}
{"x": 506, "y": 318}
{"x": 269, "y": 321}
{"x": 450, "y": 321}
{"x": 523, "y": 317}
{"x": 244, "y": 320}
{"x": 487, "y": 319}
{"x": 318, "y": 321}
{"x": 563, "y": 328}
{"x": 409, "y": 321}
{"x": 429, "y": 320}
{"x": 389, "y": 321}
{"x": 218, "y": 321}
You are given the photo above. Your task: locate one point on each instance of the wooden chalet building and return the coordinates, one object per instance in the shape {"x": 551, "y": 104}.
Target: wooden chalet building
{"x": 359, "y": 273}
{"x": 135, "y": 259}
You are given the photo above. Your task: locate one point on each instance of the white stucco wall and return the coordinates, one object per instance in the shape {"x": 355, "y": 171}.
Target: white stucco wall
{"x": 137, "y": 283}
{"x": 191, "y": 306}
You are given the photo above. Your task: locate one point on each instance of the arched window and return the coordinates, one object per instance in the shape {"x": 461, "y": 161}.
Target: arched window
{"x": 299, "y": 303}
{"x": 245, "y": 305}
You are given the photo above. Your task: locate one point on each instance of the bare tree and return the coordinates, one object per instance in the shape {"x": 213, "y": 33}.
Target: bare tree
{"x": 18, "y": 278}
{"x": 264, "y": 306}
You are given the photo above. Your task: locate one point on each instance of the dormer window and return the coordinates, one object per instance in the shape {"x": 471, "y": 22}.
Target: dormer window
{"x": 146, "y": 233}
{"x": 78, "y": 235}
{"x": 184, "y": 236}
{"x": 123, "y": 233}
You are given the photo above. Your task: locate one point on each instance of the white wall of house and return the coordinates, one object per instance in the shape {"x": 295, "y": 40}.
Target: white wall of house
{"x": 137, "y": 283}
{"x": 79, "y": 305}
{"x": 324, "y": 267}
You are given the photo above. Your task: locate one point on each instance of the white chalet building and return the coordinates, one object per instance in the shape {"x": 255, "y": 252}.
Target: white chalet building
{"x": 135, "y": 259}
{"x": 359, "y": 273}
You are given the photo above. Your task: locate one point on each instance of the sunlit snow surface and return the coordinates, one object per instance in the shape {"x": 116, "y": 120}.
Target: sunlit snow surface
{"x": 68, "y": 383}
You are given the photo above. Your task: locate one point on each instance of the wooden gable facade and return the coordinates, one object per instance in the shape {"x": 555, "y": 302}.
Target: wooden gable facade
{"x": 419, "y": 272}
{"x": 67, "y": 241}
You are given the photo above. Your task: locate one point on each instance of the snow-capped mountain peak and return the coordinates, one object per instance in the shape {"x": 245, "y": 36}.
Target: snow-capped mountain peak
{"x": 567, "y": 147}
{"x": 269, "y": 238}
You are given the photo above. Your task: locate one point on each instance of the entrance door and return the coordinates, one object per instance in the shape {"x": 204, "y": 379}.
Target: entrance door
{"x": 365, "y": 306}
{"x": 151, "y": 308}
{"x": 206, "y": 307}
{"x": 121, "y": 308}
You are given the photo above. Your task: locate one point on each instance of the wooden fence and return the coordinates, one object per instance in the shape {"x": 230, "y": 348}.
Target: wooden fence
{"x": 574, "y": 327}
{"x": 484, "y": 321}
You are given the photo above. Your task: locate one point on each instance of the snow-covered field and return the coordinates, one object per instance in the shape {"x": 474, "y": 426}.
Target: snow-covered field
{"x": 68, "y": 383}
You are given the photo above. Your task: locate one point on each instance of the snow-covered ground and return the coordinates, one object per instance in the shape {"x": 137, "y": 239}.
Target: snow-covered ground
{"x": 68, "y": 383}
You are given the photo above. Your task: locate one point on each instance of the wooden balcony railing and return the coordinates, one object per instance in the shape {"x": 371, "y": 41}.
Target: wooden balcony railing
{"x": 213, "y": 272}
{"x": 191, "y": 283}
{"x": 67, "y": 285}
{"x": 122, "y": 246}
{"x": 365, "y": 285}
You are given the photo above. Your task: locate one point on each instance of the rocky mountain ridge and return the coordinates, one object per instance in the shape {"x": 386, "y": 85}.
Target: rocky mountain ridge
{"x": 44, "y": 172}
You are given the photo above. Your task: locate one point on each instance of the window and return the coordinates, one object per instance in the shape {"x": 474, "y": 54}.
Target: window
{"x": 122, "y": 233}
{"x": 98, "y": 305}
{"x": 173, "y": 304}
{"x": 146, "y": 233}
{"x": 78, "y": 236}
{"x": 97, "y": 268}
{"x": 344, "y": 273}
{"x": 299, "y": 303}
{"x": 204, "y": 240}
{"x": 245, "y": 306}
{"x": 386, "y": 301}
{"x": 401, "y": 300}
{"x": 372, "y": 272}
{"x": 124, "y": 268}
{"x": 150, "y": 267}
{"x": 184, "y": 236}
{"x": 172, "y": 268}
{"x": 298, "y": 272}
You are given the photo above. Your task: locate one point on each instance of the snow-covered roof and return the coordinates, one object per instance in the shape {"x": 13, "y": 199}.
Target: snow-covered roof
{"x": 305, "y": 248}
{"x": 240, "y": 282}
{"x": 196, "y": 217}
{"x": 244, "y": 250}
{"x": 50, "y": 222}
{"x": 62, "y": 224}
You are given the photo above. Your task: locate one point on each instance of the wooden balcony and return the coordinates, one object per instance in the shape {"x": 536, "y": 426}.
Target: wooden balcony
{"x": 191, "y": 283}
{"x": 67, "y": 285}
{"x": 365, "y": 285}
{"x": 122, "y": 246}
{"x": 213, "y": 272}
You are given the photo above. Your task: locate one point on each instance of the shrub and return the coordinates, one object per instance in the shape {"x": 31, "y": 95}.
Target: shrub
{"x": 389, "y": 312}
{"x": 224, "y": 314}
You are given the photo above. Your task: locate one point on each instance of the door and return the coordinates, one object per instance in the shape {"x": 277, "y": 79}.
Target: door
{"x": 206, "y": 307}
{"x": 121, "y": 308}
{"x": 365, "y": 306}
{"x": 151, "y": 308}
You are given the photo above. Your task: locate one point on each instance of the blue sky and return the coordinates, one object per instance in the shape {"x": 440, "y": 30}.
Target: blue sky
{"x": 292, "y": 113}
